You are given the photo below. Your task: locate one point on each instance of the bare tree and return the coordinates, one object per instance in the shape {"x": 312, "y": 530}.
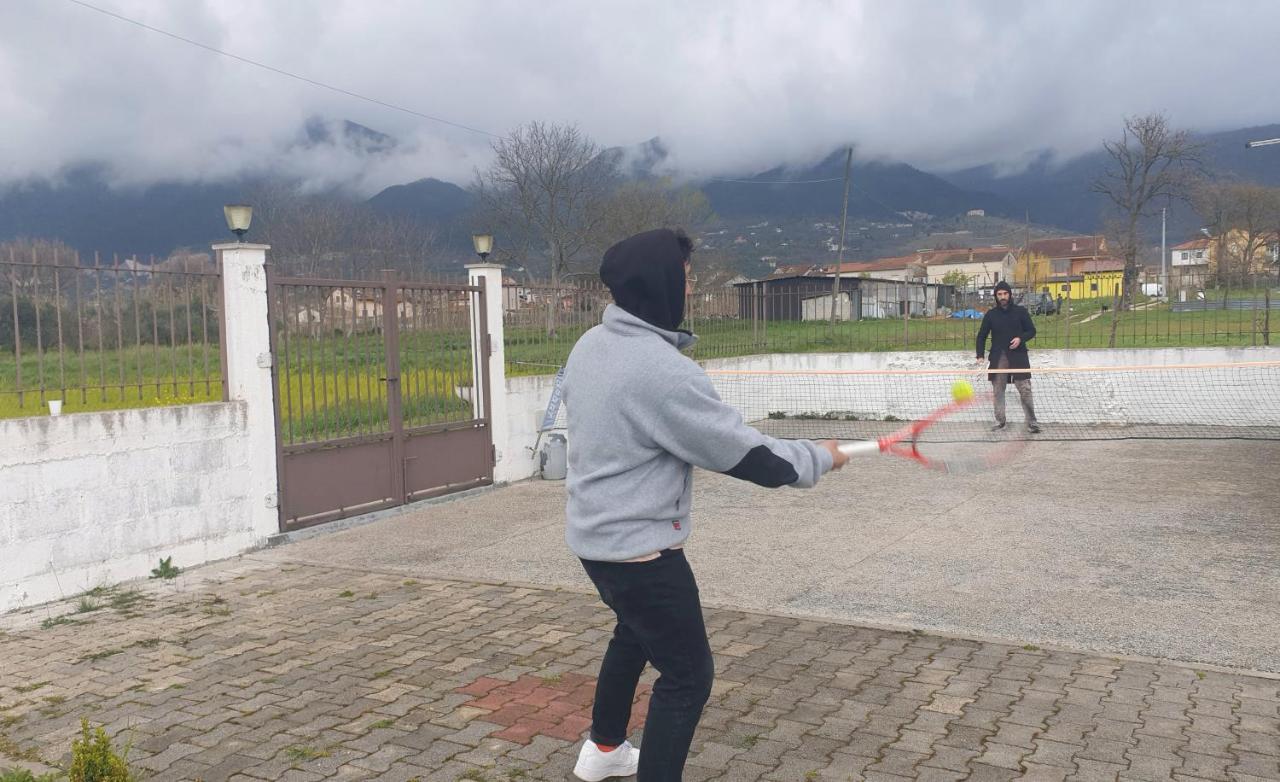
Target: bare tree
{"x": 1150, "y": 164}
{"x": 333, "y": 235}
{"x": 307, "y": 232}
{"x": 546, "y": 187}
{"x": 30, "y": 254}
{"x": 648, "y": 204}
{"x": 1242, "y": 218}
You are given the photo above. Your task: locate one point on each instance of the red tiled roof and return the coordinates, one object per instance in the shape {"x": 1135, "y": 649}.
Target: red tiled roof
{"x": 976, "y": 255}
{"x": 1194, "y": 244}
{"x": 926, "y": 257}
{"x": 879, "y": 265}
{"x": 1067, "y": 246}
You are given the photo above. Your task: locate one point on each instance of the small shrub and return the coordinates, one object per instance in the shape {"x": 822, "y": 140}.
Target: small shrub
{"x": 94, "y": 760}
{"x": 166, "y": 569}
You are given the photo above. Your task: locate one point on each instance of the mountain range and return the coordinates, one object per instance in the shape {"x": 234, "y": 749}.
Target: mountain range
{"x": 88, "y": 214}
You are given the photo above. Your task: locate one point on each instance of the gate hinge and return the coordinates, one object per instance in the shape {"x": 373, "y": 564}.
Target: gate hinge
{"x": 493, "y": 455}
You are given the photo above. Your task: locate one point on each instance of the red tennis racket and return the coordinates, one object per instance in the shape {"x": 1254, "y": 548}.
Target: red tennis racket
{"x": 982, "y": 450}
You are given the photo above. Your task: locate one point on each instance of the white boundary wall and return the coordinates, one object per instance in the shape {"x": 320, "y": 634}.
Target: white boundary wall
{"x": 1115, "y": 401}
{"x": 1190, "y": 398}
{"x": 526, "y": 403}
{"x": 97, "y": 498}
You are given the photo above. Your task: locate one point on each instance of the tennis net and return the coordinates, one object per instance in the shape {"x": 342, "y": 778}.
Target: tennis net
{"x": 1191, "y": 401}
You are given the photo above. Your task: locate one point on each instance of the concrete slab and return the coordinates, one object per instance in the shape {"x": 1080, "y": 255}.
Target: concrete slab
{"x": 1158, "y": 548}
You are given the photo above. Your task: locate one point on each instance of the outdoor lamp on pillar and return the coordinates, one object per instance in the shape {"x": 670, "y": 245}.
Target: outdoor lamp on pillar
{"x": 238, "y": 218}
{"x": 483, "y": 244}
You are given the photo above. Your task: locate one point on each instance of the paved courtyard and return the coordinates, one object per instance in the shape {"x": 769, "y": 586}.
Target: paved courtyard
{"x": 861, "y": 632}
{"x": 1155, "y": 548}
{"x": 256, "y": 670}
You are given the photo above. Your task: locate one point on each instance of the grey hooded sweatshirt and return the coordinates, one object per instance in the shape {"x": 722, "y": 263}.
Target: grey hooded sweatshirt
{"x": 641, "y": 415}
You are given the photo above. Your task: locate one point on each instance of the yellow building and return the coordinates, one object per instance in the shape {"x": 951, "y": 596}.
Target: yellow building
{"x": 1031, "y": 268}
{"x": 1060, "y": 258}
{"x": 1102, "y": 279}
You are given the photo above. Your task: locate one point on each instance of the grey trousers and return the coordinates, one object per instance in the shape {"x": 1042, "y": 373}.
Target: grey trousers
{"x": 1024, "y": 393}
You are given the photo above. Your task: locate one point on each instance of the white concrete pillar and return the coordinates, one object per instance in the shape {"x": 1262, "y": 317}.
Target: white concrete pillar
{"x": 489, "y": 277}
{"x": 247, "y": 341}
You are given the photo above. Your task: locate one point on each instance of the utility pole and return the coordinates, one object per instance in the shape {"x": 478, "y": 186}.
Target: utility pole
{"x": 844, "y": 219}
{"x": 1026, "y": 250}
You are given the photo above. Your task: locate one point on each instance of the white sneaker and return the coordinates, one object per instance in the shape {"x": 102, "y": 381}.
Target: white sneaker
{"x": 594, "y": 765}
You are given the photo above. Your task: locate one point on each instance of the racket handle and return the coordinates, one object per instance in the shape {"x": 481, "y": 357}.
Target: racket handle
{"x": 860, "y": 448}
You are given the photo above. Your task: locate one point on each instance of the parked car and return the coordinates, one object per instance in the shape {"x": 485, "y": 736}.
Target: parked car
{"x": 1041, "y": 304}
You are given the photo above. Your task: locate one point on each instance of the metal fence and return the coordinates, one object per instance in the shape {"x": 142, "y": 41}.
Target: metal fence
{"x": 544, "y": 321}
{"x": 338, "y": 341}
{"x": 76, "y": 336}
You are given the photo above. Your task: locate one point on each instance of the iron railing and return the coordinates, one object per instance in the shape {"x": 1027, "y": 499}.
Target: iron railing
{"x": 543, "y": 322}
{"x": 77, "y": 337}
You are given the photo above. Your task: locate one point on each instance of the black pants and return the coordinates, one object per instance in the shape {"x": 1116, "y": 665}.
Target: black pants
{"x": 659, "y": 622}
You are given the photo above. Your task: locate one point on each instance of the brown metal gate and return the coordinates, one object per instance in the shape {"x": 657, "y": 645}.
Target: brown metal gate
{"x": 382, "y": 394}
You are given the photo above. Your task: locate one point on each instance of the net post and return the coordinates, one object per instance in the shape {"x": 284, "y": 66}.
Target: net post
{"x": 1068, "y": 345}
{"x": 1253, "y": 320}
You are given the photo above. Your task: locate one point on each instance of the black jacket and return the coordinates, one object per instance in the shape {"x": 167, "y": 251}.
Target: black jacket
{"x": 1003, "y": 325}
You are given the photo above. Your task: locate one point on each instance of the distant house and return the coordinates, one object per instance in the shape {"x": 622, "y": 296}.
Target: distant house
{"x": 1197, "y": 262}
{"x": 1058, "y": 257}
{"x": 907, "y": 267}
{"x": 1097, "y": 278}
{"x": 809, "y": 297}
{"x": 979, "y": 266}
{"x": 1189, "y": 263}
{"x": 516, "y": 296}
{"x": 982, "y": 266}
{"x": 361, "y": 304}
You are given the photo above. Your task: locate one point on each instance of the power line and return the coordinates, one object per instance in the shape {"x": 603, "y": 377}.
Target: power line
{"x": 281, "y": 72}
{"x": 771, "y": 182}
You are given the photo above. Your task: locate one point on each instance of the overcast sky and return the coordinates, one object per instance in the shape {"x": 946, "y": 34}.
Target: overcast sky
{"x": 732, "y": 87}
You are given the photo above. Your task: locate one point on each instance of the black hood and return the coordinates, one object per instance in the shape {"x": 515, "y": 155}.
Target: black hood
{"x": 645, "y": 274}
{"x": 1003, "y": 286}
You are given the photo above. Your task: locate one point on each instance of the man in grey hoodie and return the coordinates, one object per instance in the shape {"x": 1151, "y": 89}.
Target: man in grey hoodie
{"x": 641, "y": 416}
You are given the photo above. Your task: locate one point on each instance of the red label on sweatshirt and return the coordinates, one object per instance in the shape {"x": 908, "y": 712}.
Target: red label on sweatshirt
{"x": 675, "y": 524}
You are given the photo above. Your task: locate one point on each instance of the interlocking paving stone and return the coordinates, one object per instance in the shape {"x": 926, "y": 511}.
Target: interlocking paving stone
{"x": 437, "y": 680}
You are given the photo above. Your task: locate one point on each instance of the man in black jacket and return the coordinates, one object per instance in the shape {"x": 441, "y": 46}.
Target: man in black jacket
{"x": 1010, "y": 328}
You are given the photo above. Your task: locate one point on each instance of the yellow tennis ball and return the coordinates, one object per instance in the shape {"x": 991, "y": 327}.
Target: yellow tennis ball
{"x": 961, "y": 390}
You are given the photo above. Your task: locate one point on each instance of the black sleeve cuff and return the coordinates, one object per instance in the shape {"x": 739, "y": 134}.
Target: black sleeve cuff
{"x": 765, "y": 468}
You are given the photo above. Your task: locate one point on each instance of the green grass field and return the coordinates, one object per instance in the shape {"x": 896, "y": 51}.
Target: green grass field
{"x": 333, "y": 386}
